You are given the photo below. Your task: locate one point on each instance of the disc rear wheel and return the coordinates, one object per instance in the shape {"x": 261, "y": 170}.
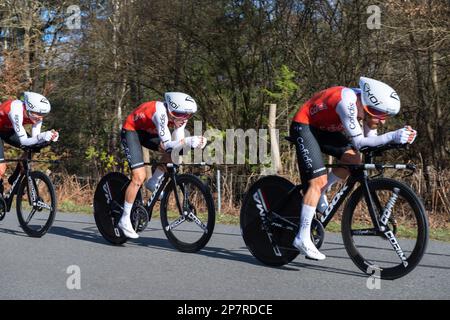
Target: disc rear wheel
{"x": 270, "y": 194}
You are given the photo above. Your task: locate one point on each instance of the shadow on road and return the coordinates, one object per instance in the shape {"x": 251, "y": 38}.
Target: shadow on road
{"x": 330, "y": 269}
{"x": 220, "y": 253}
{"x": 91, "y": 234}
{"x": 87, "y": 234}
{"x": 13, "y": 232}
{"x": 76, "y": 222}
{"x": 341, "y": 247}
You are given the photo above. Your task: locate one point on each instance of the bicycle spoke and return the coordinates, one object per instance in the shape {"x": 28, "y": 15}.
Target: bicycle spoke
{"x": 41, "y": 204}
{"x": 366, "y": 232}
{"x": 176, "y": 223}
{"x": 393, "y": 241}
{"x": 30, "y": 216}
{"x": 198, "y": 222}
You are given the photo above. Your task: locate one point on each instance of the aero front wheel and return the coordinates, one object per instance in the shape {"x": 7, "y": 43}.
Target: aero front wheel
{"x": 396, "y": 249}
{"x": 36, "y": 204}
{"x": 188, "y": 224}
{"x": 268, "y": 198}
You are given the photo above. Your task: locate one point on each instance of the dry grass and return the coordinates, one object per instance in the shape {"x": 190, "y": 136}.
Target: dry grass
{"x": 73, "y": 192}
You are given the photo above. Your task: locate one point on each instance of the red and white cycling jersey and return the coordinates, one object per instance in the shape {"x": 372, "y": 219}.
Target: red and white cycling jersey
{"x": 152, "y": 117}
{"x": 334, "y": 109}
{"x": 14, "y": 116}
{"x": 320, "y": 110}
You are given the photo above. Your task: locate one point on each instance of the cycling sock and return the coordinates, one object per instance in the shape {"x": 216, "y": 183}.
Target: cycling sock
{"x": 126, "y": 210}
{"x": 305, "y": 221}
{"x": 153, "y": 181}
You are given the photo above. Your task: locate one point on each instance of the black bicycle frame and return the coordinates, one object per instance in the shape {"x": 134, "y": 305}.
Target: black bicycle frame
{"x": 15, "y": 185}
{"x": 358, "y": 174}
{"x": 155, "y": 196}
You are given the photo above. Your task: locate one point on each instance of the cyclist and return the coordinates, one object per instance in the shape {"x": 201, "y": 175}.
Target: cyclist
{"x": 330, "y": 123}
{"x": 148, "y": 126}
{"x": 14, "y": 114}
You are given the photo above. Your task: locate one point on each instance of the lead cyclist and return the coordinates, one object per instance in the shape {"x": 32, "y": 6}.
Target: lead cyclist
{"x": 338, "y": 121}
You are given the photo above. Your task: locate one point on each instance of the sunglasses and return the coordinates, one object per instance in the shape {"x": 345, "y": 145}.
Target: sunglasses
{"x": 35, "y": 115}
{"x": 181, "y": 116}
{"x": 376, "y": 113}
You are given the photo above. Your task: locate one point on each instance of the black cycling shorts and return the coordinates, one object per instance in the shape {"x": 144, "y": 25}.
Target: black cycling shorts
{"x": 11, "y": 138}
{"x": 132, "y": 143}
{"x": 310, "y": 142}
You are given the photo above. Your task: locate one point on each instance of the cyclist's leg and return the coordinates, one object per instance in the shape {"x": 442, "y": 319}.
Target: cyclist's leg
{"x": 11, "y": 138}
{"x": 313, "y": 174}
{"x": 350, "y": 156}
{"x": 153, "y": 142}
{"x": 337, "y": 145}
{"x": 133, "y": 151}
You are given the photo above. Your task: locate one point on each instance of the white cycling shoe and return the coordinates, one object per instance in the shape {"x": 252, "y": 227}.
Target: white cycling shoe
{"x": 308, "y": 249}
{"x": 127, "y": 228}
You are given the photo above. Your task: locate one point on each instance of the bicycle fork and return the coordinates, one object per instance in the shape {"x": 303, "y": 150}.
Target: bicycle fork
{"x": 381, "y": 224}
{"x": 184, "y": 209}
{"x": 387, "y": 211}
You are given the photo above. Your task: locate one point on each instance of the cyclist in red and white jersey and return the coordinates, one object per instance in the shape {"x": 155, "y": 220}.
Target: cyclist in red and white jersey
{"x": 14, "y": 114}
{"x": 148, "y": 126}
{"x": 330, "y": 123}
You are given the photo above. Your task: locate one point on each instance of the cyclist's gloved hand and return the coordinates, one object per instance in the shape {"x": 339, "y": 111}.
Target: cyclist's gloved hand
{"x": 55, "y": 136}
{"x": 196, "y": 142}
{"x": 413, "y": 134}
{"x": 45, "y": 136}
{"x": 403, "y": 135}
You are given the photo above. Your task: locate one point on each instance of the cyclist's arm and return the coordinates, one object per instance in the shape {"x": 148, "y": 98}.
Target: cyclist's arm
{"x": 36, "y": 129}
{"x": 369, "y": 132}
{"x": 161, "y": 120}
{"x": 16, "y": 118}
{"x": 347, "y": 111}
{"x": 178, "y": 133}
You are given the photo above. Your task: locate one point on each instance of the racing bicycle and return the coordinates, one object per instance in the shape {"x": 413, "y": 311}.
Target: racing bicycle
{"x": 384, "y": 224}
{"x": 187, "y": 209}
{"x": 35, "y": 194}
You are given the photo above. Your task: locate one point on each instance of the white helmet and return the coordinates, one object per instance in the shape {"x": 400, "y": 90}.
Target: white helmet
{"x": 180, "y": 104}
{"x": 379, "y": 99}
{"x": 36, "y": 103}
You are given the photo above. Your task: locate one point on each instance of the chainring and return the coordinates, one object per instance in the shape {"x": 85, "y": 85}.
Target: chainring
{"x": 139, "y": 218}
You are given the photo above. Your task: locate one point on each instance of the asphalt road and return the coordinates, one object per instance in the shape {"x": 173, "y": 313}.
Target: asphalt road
{"x": 149, "y": 268}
